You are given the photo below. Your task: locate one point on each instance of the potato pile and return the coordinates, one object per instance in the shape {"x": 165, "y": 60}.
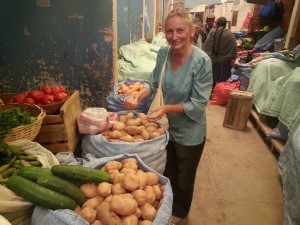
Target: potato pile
{"x": 131, "y": 128}
{"x": 130, "y": 89}
{"x": 132, "y": 197}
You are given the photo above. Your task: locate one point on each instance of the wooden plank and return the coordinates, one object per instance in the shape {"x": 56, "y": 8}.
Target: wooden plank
{"x": 276, "y": 144}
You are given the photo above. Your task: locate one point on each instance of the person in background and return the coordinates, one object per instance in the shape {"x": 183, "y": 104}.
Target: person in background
{"x": 197, "y": 40}
{"x": 186, "y": 87}
{"x": 209, "y": 24}
{"x": 221, "y": 47}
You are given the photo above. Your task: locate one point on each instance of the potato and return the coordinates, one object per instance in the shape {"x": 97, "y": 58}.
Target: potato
{"x": 146, "y": 135}
{"x": 150, "y": 195}
{"x": 139, "y": 136}
{"x": 143, "y": 178}
{"x": 104, "y": 189}
{"x": 139, "y": 196}
{"x": 108, "y": 198}
{"x": 117, "y": 189}
{"x": 113, "y": 165}
{"x": 97, "y": 222}
{"x": 152, "y": 178}
{"x": 122, "y": 205}
{"x": 127, "y": 138}
{"x": 128, "y": 170}
{"x": 118, "y": 178}
{"x": 148, "y": 212}
{"x": 88, "y": 214}
{"x": 149, "y": 124}
{"x": 106, "y": 132}
{"x": 142, "y": 116}
{"x": 130, "y": 115}
{"x": 130, "y": 165}
{"x": 123, "y": 118}
{"x": 105, "y": 215}
{"x": 115, "y": 134}
{"x": 130, "y": 220}
{"x": 134, "y": 122}
{"x": 154, "y": 134}
{"x": 161, "y": 130}
{"x": 138, "y": 140}
{"x": 151, "y": 129}
{"x": 77, "y": 209}
{"x": 112, "y": 173}
{"x": 157, "y": 192}
{"x": 133, "y": 130}
{"x": 93, "y": 202}
{"x": 145, "y": 222}
{"x": 118, "y": 126}
{"x": 89, "y": 190}
{"x": 130, "y": 182}
{"x": 134, "y": 160}
{"x": 138, "y": 213}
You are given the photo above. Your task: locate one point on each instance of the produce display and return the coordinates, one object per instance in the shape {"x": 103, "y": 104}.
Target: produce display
{"x": 45, "y": 96}
{"x": 13, "y": 117}
{"x": 130, "y": 89}
{"x": 131, "y": 196}
{"x": 131, "y": 128}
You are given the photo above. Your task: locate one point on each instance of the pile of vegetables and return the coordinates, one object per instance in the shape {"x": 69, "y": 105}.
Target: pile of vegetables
{"x": 131, "y": 128}
{"x": 46, "y": 95}
{"x": 130, "y": 89}
{"x": 131, "y": 197}
{"x": 12, "y": 160}
{"x": 13, "y": 117}
{"x": 118, "y": 193}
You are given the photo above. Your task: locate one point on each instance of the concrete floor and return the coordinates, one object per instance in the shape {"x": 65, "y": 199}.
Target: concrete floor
{"x": 238, "y": 181}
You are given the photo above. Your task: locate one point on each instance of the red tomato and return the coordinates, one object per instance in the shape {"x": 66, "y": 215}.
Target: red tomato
{"x": 24, "y": 94}
{"x": 18, "y": 98}
{"x": 29, "y": 100}
{"x": 60, "y": 96}
{"x": 36, "y": 95}
{"x": 47, "y": 99}
{"x": 62, "y": 88}
{"x": 55, "y": 90}
{"x": 47, "y": 90}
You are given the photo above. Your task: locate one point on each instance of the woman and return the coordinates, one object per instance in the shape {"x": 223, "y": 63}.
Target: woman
{"x": 221, "y": 47}
{"x": 186, "y": 86}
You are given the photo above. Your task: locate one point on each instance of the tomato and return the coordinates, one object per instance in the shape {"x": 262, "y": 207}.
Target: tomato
{"x": 18, "y": 98}
{"x": 60, "y": 96}
{"x": 62, "y": 88}
{"x": 24, "y": 94}
{"x": 36, "y": 95}
{"x": 47, "y": 99}
{"x": 29, "y": 100}
{"x": 47, "y": 90}
{"x": 55, "y": 90}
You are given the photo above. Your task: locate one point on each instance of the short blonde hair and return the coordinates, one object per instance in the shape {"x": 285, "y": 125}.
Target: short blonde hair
{"x": 182, "y": 13}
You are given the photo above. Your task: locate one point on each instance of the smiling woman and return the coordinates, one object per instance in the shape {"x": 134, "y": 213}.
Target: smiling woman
{"x": 186, "y": 86}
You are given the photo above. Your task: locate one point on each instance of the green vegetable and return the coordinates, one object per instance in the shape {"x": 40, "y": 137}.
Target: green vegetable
{"x": 62, "y": 186}
{"x": 38, "y": 194}
{"x": 33, "y": 173}
{"x": 80, "y": 174}
{"x": 13, "y": 117}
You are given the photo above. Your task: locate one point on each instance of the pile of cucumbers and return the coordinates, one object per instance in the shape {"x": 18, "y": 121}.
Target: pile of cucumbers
{"x": 55, "y": 188}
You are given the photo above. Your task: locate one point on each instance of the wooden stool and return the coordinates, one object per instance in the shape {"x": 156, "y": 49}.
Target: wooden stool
{"x": 238, "y": 109}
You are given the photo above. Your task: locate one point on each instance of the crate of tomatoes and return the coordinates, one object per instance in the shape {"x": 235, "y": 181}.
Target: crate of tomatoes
{"x": 49, "y": 98}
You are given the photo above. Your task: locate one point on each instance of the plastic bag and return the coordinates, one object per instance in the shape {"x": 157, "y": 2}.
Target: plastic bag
{"x": 221, "y": 92}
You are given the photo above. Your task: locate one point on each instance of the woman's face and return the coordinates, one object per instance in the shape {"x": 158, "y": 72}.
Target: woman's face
{"x": 178, "y": 32}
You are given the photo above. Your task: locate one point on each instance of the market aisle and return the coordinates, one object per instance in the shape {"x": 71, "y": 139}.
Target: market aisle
{"x": 238, "y": 182}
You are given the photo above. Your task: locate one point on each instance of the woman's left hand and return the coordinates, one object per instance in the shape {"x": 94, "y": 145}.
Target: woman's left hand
{"x": 156, "y": 114}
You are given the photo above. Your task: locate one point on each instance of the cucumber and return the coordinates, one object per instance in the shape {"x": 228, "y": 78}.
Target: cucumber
{"x": 38, "y": 194}
{"x": 33, "y": 172}
{"x": 62, "y": 186}
{"x": 80, "y": 174}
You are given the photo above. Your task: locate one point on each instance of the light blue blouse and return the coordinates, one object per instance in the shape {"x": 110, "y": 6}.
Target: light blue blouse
{"x": 190, "y": 85}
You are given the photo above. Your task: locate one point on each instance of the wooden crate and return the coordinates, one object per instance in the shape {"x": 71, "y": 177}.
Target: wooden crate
{"x": 59, "y": 133}
{"x": 238, "y": 109}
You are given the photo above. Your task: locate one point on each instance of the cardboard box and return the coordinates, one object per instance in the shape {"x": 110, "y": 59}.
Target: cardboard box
{"x": 238, "y": 109}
